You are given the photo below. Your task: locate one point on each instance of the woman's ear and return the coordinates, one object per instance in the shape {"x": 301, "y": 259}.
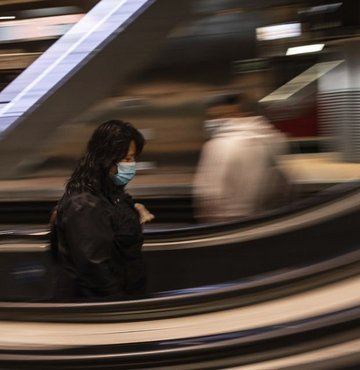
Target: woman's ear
{"x": 113, "y": 169}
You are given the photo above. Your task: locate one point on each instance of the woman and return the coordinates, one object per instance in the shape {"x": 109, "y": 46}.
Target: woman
{"x": 98, "y": 225}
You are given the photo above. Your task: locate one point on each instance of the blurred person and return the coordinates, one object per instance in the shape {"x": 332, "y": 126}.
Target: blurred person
{"x": 237, "y": 173}
{"x": 98, "y": 225}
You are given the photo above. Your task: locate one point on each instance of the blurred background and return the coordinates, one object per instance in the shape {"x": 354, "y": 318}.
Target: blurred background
{"x": 275, "y": 287}
{"x": 295, "y": 60}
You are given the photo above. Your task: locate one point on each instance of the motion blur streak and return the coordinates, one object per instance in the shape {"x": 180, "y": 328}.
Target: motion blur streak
{"x": 105, "y": 20}
{"x": 37, "y": 29}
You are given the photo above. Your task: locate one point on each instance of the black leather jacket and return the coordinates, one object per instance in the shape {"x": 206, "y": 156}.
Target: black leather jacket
{"x": 99, "y": 247}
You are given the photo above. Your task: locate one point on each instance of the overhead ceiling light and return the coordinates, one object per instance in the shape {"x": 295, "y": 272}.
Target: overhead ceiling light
{"x": 305, "y": 49}
{"x": 7, "y": 17}
{"x": 326, "y": 8}
{"x": 278, "y": 31}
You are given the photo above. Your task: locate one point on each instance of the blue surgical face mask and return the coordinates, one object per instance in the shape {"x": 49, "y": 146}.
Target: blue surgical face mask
{"x": 126, "y": 172}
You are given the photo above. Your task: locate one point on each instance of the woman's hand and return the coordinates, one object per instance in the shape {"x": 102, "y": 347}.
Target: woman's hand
{"x": 144, "y": 214}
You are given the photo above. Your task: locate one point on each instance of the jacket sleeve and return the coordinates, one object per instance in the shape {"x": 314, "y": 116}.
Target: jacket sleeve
{"x": 128, "y": 241}
{"x": 89, "y": 234}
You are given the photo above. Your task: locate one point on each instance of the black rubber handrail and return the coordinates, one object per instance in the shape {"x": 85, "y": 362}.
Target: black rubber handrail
{"x": 286, "y": 243}
{"x": 230, "y": 349}
{"x": 333, "y": 193}
{"x": 190, "y": 301}
{"x": 336, "y": 192}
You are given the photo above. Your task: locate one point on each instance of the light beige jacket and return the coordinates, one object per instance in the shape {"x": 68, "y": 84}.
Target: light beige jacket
{"x": 237, "y": 173}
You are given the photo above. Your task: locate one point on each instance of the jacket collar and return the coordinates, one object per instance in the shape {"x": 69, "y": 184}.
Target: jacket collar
{"x": 118, "y": 194}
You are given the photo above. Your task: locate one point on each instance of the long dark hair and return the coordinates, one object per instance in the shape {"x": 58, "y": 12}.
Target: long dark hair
{"x": 108, "y": 145}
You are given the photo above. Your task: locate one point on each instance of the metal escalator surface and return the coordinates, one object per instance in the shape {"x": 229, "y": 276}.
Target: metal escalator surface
{"x": 297, "y": 324}
{"x": 294, "y": 303}
{"x": 183, "y": 259}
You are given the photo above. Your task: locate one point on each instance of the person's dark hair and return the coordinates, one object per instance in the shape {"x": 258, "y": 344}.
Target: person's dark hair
{"x": 224, "y": 99}
{"x": 235, "y": 99}
{"x": 108, "y": 145}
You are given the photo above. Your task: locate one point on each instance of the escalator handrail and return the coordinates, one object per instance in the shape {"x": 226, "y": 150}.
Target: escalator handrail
{"x": 325, "y": 196}
{"x": 325, "y": 329}
{"x": 190, "y": 301}
{"x": 234, "y": 234}
{"x": 334, "y": 193}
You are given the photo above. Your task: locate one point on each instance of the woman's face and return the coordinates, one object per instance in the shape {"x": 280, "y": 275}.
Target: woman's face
{"x": 130, "y": 157}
